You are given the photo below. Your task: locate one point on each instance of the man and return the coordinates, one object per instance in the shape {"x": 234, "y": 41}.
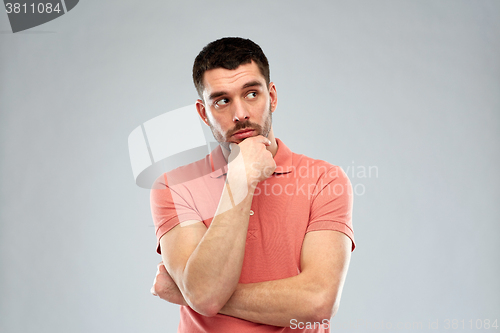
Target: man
{"x": 259, "y": 244}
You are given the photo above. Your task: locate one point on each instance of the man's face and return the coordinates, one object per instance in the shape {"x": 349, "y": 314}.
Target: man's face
{"x": 237, "y": 104}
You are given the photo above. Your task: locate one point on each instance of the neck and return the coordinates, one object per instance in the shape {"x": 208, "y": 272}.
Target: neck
{"x": 273, "y": 147}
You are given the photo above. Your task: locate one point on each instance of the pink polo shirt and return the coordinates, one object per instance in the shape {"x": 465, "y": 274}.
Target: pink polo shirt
{"x": 302, "y": 195}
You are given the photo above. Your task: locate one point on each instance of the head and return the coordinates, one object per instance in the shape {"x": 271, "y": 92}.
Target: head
{"x": 228, "y": 53}
{"x": 231, "y": 76}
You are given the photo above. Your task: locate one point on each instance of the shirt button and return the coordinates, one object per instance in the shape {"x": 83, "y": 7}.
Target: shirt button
{"x": 251, "y": 212}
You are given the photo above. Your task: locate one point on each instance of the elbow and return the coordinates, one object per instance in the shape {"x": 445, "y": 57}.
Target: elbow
{"x": 206, "y": 299}
{"x": 206, "y": 306}
{"x": 207, "y": 310}
{"x": 325, "y": 308}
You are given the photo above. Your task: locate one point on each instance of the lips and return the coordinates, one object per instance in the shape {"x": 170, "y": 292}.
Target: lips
{"x": 243, "y": 134}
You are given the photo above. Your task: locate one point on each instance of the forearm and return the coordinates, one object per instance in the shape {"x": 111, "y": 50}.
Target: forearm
{"x": 206, "y": 263}
{"x": 212, "y": 271}
{"x": 279, "y": 301}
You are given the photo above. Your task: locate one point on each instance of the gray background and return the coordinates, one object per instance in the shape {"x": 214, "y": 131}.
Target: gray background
{"x": 411, "y": 87}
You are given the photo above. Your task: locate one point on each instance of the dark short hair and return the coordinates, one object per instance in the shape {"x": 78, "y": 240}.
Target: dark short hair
{"x": 228, "y": 53}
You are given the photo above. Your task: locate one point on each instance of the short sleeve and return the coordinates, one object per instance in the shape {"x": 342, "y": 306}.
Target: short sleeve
{"x": 331, "y": 206}
{"x": 170, "y": 205}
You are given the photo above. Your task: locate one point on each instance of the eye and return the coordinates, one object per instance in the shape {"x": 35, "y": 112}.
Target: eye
{"x": 252, "y": 95}
{"x": 221, "y": 102}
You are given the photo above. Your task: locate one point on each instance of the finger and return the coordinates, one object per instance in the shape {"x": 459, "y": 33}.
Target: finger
{"x": 264, "y": 140}
{"x": 162, "y": 269}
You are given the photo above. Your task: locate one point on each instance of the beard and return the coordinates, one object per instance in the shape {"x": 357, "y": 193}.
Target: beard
{"x": 260, "y": 130}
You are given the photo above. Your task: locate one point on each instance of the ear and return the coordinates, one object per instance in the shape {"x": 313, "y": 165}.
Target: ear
{"x": 200, "y": 107}
{"x": 273, "y": 95}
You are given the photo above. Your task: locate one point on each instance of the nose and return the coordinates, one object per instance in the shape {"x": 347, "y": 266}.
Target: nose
{"x": 240, "y": 112}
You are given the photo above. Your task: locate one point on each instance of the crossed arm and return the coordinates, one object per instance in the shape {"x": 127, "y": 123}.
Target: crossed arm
{"x": 202, "y": 266}
{"x": 311, "y": 296}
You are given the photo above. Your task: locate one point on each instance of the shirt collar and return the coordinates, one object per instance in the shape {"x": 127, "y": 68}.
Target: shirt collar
{"x": 283, "y": 159}
{"x": 218, "y": 163}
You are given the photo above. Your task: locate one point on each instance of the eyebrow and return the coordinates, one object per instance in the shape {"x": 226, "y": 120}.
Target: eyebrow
{"x": 214, "y": 95}
{"x": 252, "y": 84}
{"x": 246, "y": 85}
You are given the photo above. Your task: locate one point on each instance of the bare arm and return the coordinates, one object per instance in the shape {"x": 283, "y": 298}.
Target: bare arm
{"x": 204, "y": 263}
{"x": 311, "y": 296}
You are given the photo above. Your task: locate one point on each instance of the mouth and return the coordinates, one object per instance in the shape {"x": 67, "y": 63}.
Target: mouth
{"x": 244, "y": 133}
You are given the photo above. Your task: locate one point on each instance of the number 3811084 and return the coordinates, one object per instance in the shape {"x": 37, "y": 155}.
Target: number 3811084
{"x": 40, "y": 8}
{"x": 478, "y": 324}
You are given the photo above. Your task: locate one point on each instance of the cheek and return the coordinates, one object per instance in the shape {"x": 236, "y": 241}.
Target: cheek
{"x": 266, "y": 109}
{"x": 266, "y": 106}
{"x": 216, "y": 125}
{"x": 219, "y": 129}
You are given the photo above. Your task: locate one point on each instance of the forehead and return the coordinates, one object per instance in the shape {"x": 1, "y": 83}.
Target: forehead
{"x": 221, "y": 79}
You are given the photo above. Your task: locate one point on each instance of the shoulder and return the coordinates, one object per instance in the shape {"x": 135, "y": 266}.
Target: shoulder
{"x": 304, "y": 166}
{"x": 184, "y": 174}
{"x": 308, "y": 167}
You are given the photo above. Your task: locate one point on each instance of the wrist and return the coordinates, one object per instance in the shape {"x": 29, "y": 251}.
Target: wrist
{"x": 240, "y": 182}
